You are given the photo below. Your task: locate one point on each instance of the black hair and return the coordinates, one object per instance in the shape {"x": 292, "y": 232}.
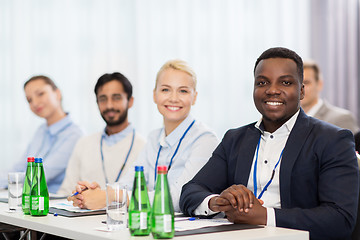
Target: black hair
{"x": 46, "y": 79}
{"x": 280, "y": 52}
{"x": 108, "y": 77}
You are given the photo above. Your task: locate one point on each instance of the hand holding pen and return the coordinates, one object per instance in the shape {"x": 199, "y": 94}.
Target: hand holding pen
{"x": 81, "y": 187}
{"x": 77, "y": 197}
{"x": 85, "y": 185}
{"x": 77, "y": 192}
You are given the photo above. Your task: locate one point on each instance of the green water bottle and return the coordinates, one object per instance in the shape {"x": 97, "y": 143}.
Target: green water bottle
{"x": 139, "y": 208}
{"x": 39, "y": 195}
{"x": 27, "y": 185}
{"x": 162, "y": 215}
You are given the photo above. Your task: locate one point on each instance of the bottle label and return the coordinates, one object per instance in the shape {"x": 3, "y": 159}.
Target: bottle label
{"x": 41, "y": 204}
{"x": 37, "y": 203}
{"x": 26, "y": 202}
{"x": 34, "y": 203}
{"x": 163, "y": 223}
{"x": 135, "y": 220}
{"x": 139, "y": 220}
{"x": 143, "y": 220}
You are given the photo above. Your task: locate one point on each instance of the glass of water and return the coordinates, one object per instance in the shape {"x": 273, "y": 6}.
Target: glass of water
{"x": 116, "y": 206}
{"x": 15, "y": 188}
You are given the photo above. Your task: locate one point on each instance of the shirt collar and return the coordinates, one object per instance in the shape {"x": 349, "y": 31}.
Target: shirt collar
{"x": 175, "y": 135}
{"x": 60, "y": 125}
{"x": 288, "y": 125}
{"x": 315, "y": 108}
{"x": 117, "y": 137}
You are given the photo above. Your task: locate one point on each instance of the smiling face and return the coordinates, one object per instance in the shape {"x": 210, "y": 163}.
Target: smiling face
{"x": 113, "y": 103}
{"x": 277, "y": 91}
{"x": 174, "y": 95}
{"x": 43, "y": 100}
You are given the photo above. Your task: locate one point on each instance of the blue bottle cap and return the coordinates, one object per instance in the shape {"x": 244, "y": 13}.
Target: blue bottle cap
{"x": 139, "y": 168}
{"x": 38, "y": 160}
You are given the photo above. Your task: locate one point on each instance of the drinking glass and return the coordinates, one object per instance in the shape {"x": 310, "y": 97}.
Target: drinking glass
{"x": 116, "y": 206}
{"x": 15, "y": 188}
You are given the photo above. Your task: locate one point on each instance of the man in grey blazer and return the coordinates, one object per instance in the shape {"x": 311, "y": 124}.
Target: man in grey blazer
{"x": 316, "y": 107}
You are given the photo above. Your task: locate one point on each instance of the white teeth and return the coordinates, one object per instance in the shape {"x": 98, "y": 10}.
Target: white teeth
{"x": 173, "y": 108}
{"x": 274, "y": 103}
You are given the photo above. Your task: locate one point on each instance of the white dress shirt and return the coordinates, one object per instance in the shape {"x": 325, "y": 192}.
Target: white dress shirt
{"x": 271, "y": 146}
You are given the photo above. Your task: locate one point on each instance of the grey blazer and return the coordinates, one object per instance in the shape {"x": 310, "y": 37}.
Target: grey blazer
{"x": 337, "y": 116}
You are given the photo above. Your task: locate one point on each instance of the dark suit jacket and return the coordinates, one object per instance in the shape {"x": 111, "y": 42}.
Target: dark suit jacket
{"x": 357, "y": 141}
{"x": 319, "y": 182}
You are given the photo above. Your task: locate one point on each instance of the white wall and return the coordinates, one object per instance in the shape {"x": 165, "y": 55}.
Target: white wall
{"x": 75, "y": 42}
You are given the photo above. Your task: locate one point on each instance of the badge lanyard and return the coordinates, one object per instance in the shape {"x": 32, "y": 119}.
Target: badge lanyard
{"x": 176, "y": 150}
{"x": 127, "y": 157}
{"x": 255, "y": 168}
{"x": 53, "y": 142}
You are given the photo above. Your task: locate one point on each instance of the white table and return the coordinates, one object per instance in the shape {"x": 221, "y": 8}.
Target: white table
{"x": 84, "y": 228}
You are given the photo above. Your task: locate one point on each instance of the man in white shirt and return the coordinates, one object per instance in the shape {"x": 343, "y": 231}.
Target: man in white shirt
{"x": 318, "y": 108}
{"x": 287, "y": 170}
{"x": 106, "y": 156}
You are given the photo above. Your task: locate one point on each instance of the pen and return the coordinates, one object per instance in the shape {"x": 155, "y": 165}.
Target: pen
{"x": 186, "y": 219}
{"x": 76, "y": 193}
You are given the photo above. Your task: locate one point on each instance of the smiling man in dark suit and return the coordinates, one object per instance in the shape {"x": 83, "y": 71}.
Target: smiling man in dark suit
{"x": 286, "y": 170}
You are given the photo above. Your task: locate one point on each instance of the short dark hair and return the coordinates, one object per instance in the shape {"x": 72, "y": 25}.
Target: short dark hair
{"x": 46, "y": 79}
{"x": 280, "y": 52}
{"x": 108, "y": 77}
{"x": 314, "y": 66}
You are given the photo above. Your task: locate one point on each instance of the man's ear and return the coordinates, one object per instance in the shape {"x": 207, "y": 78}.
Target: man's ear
{"x": 131, "y": 102}
{"x": 302, "y": 92}
{"x": 320, "y": 85}
{"x": 58, "y": 94}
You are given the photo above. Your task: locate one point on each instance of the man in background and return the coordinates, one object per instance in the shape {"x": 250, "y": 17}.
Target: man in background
{"x": 106, "y": 156}
{"x": 316, "y": 107}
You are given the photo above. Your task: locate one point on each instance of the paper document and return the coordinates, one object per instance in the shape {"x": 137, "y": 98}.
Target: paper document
{"x": 181, "y": 225}
{"x": 66, "y": 205}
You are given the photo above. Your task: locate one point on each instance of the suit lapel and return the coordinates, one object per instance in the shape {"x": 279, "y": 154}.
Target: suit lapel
{"x": 293, "y": 146}
{"x": 246, "y": 150}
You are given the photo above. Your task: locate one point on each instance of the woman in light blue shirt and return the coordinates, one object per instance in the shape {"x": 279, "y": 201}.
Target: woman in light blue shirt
{"x": 183, "y": 144}
{"x": 54, "y": 140}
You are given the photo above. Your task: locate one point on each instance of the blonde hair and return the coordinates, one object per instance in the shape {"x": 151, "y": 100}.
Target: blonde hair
{"x": 180, "y": 65}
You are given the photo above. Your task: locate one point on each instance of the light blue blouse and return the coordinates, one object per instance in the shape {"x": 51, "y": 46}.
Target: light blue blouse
{"x": 54, "y": 144}
{"x": 194, "y": 151}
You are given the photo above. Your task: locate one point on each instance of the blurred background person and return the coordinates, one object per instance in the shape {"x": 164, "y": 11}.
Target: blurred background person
{"x": 55, "y": 139}
{"x": 316, "y": 107}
